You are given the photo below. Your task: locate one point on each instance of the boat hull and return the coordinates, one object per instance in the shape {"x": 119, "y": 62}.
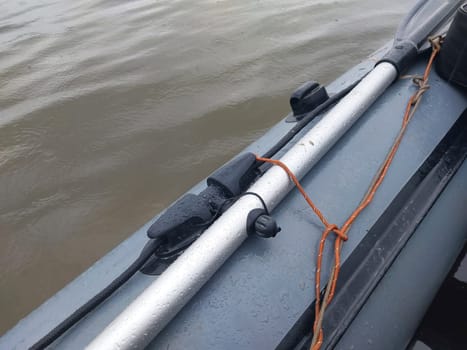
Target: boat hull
{"x": 260, "y": 294}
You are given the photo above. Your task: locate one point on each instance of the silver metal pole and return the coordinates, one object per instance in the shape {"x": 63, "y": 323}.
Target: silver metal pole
{"x": 150, "y": 312}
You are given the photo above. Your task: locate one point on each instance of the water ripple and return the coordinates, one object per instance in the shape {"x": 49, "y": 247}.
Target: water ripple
{"x": 111, "y": 109}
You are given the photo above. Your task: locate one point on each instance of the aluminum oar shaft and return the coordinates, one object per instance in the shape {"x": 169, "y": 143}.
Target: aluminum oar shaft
{"x": 153, "y": 309}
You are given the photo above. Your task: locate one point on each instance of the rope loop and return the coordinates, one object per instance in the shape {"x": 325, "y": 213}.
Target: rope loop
{"x": 337, "y": 231}
{"x": 418, "y": 80}
{"x": 320, "y": 305}
{"x": 422, "y": 88}
{"x": 422, "y": 84}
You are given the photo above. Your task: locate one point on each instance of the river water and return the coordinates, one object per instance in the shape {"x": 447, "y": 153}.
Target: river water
{"x": 112, "y": 109}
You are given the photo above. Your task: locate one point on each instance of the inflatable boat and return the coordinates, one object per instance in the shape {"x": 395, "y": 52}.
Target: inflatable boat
{"x": 334, "y": 230}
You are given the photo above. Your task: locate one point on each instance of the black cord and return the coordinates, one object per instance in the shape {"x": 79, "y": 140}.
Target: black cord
{"x": 259, "y": 197}
{"x": 90, "y": 305}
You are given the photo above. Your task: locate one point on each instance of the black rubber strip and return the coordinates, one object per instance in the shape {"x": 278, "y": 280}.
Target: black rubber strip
{"x": 368, "y": 263}
{"x": 98, "y": 299}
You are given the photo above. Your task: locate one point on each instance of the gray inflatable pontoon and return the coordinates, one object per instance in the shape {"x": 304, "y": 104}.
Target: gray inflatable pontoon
{"x": 234, "y": 289}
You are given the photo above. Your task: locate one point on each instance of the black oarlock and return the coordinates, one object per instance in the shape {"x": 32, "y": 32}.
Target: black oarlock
{"x": 306, "y": 98}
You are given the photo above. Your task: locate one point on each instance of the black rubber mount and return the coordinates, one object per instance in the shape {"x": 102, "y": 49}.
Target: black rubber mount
{"x": 307, "y": 97}
{"x": 185, "y": 220}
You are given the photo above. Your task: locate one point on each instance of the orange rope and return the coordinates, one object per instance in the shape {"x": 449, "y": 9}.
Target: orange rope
{"x": 341, "y": 234}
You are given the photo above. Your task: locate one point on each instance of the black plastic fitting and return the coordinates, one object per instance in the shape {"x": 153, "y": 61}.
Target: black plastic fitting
{"x": 307, "y": 97}
{"x": 401, "y": 56}
{"x": 235, "y": 177}
{"x": 261, "y": 224}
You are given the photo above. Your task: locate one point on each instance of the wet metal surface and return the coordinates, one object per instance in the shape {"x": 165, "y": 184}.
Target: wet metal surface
{"x": 112, "y": 109}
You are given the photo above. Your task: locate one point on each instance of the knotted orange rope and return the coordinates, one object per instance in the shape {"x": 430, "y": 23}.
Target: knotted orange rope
{"x": 341, "y": 234}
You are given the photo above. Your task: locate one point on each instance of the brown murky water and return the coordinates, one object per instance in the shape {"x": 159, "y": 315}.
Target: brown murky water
{"x": 112, "y": 109}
